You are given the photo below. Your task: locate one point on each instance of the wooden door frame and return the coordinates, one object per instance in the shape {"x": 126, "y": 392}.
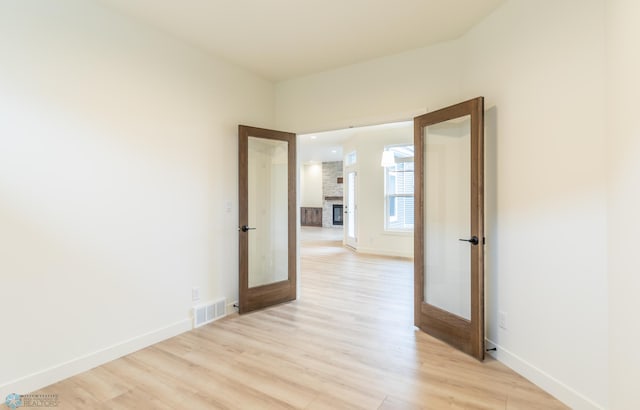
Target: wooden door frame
{"x": 262, "y": 296}
{"x": 463, "y": 334}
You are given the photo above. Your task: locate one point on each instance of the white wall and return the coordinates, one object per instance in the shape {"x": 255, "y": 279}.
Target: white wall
{"x": 384, "y": 90}
{"x": 369, "y": 142}
{"x": 118, "y": 150}
{"x": 623, "y": 134}
{"x": 546, "y": 190}
{"x": 311, "y": 186}
{"x": 541, "y": 66}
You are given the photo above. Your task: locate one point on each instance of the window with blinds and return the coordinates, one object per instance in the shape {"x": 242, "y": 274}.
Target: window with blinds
{"x": 399, "y": 189}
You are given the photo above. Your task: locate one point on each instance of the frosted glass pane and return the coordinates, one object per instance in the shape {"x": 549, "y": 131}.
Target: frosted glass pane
{"x": 351, "y": 204}
{"x": 268, "y": 211}
{"x": 447, "y": 216}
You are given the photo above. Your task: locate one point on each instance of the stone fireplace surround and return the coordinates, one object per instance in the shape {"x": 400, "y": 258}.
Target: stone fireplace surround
{"x": 332, "y": 191}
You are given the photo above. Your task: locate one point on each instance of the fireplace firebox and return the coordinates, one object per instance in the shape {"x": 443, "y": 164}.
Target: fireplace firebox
{"x": 337, "y": 214}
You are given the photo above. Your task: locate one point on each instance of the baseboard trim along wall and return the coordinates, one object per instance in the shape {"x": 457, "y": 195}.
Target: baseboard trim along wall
{"x": 384, "y": 252}
{"x": 43, "y": 378}
{"x": 546, "y": 382}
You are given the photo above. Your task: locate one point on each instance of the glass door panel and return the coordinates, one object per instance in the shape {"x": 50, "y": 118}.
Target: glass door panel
{"x": 447, "y": 211}
{"x": 267, "y": 207}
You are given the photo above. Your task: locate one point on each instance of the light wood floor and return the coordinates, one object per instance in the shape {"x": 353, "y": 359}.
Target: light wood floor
{"x": 348, "y": 342}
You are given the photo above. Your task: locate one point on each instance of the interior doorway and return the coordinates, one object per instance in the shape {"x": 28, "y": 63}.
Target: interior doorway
{"x": 376, "y": 198}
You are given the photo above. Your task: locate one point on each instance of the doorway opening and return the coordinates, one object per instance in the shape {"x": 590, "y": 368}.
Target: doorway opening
{"x": 435, "y": 185}
{"x": 341, "y": 175}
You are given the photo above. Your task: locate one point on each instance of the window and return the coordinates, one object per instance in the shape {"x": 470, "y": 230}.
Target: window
{"x": 351, "y": 158}
{"x": 399, "y": 189}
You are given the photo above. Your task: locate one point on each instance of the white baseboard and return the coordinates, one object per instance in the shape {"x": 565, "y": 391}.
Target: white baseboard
{"x": 45, "y": 377}
{"x": 545, "y": 381}
{"x": 384, "y": 252}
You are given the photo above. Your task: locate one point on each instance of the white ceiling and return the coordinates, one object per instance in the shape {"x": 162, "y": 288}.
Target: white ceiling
{"x": 323, "y": 146}
{"x": 282, "y": 39}
{"x": 327, "y": 146}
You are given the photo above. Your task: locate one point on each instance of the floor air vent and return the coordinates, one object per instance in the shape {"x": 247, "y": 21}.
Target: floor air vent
{"x": 209, "y": 312}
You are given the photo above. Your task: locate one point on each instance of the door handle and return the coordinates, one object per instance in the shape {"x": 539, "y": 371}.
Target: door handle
{"x": 245, "y": 228}
{"x": 473, "y": 241}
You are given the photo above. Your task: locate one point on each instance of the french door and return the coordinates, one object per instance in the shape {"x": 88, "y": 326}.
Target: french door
{"x": 449, "y": 225}
{"x": 350, "y": 210}
{"x": 267, "y": 217}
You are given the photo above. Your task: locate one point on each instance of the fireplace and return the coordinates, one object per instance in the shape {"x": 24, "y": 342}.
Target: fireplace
{"x": 337, "y": 214}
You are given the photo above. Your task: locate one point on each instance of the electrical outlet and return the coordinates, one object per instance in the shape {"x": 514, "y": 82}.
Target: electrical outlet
{"x": 195, "y": 294}
{"x": 502, "y": 320}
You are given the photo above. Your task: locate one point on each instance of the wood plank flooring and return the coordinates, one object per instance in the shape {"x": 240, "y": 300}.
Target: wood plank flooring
{"x": 347, "y": 343}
